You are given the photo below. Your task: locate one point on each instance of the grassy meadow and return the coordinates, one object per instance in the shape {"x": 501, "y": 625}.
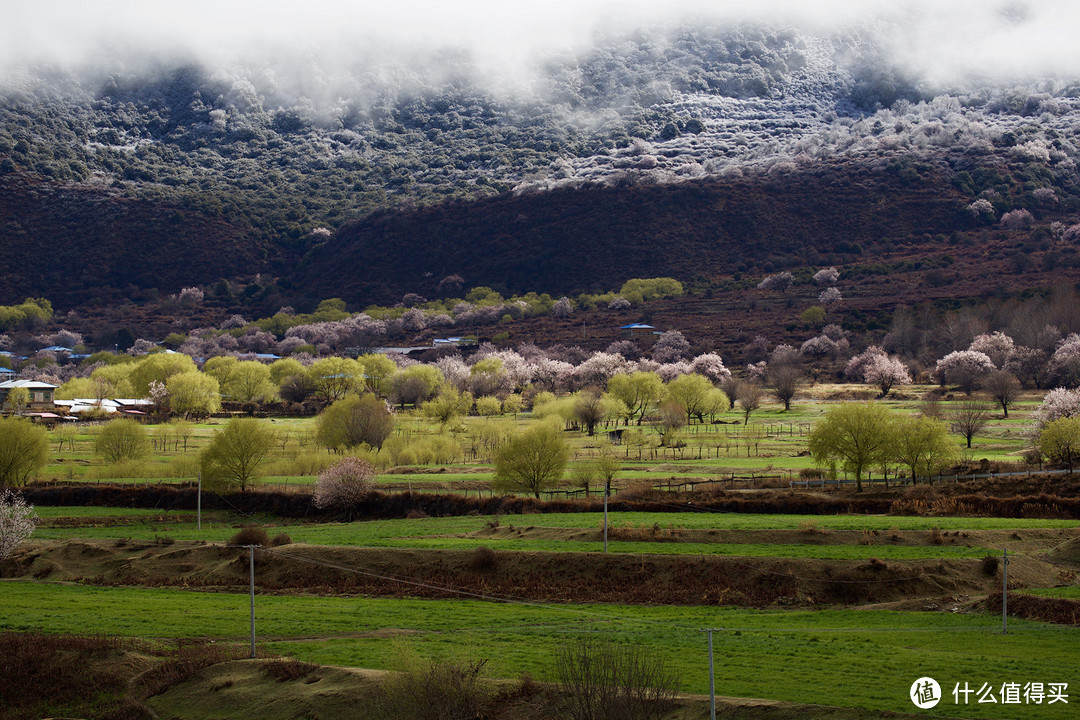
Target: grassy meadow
{"x": 852, "y": 657}
{"x": 769, "y": 451}
{"x": 864, "y": 659}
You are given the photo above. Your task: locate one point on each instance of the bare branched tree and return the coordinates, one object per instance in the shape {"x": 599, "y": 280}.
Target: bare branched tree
{"x": 749, "y": 397}
{"x": 600, "y": 680}
{"x": 785, "y": 381}
{"x": 969, "y": 418}
{"x": 1003, "y": 387}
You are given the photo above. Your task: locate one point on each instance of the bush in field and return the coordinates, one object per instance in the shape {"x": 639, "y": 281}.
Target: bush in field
{"x": 434, "y": 690}
{"x": 830, "y": 298}
{"x": 236, "y": 455}
{"x": 1017, "y": 219}
{"x": 17, "y": 521}
{"x": 354, "y": 421}
{"x": 24, "y": 449}
{"x": 637, "y": 290}
{"x": 448, "y": 405}
{"x": 344, "y": 485}
{"x": 532, "y": 461}
{"x": 122, "y": 440}
{"x": 982, "y": 209}
{"x": 488, "y": 406}
{"x": 1060, "y": 441}
{"x": 599, "y": 680}
{"x": 251, "y": 535}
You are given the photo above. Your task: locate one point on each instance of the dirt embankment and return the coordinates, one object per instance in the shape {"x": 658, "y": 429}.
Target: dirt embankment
{"x": 554, "y": 577}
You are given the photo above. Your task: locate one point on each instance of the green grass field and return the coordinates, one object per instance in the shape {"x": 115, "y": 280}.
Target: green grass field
{"x": 1071, "y": 592}
{"x": 865, "y": 659}
{"x": 437, "y": 533}
{"x": 773, "y": 444}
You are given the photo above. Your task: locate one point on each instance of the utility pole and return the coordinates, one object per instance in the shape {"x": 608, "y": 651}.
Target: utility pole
{"x": 1005, "y": 593}
{"x": 607, "y": 491}
{"x": 712, "y": 680}
{"x": 198, "y": 504}
{"x": 251, "y": 566}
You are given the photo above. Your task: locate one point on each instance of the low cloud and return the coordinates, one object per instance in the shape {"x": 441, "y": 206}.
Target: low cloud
{"x": 943, "y": 41}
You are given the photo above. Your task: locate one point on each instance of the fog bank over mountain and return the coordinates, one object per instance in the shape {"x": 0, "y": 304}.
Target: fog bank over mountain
{"x": 321, "y": 46}
{"x": 282, "y": 126}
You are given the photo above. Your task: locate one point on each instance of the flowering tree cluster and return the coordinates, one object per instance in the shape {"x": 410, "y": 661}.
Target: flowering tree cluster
{"x": 777, "y": 283}
{"x": 997, "y": 346}
{"x": 830, "y": 298}
{"x": 832, "y": 342}
{"x": 1058, "y": 403}
{"x": 827, "y": 276}
{"x": 982, "y": 208}
{"x": 1016, "y": 219}
{"x": 1063, "y": 368}
{"x": 670, "y": 347}
{"x": 344, "y": 485}
{"x": 876, "y": 367}
{"x": 964, "y": 368}
{"x": 17, "y": 521}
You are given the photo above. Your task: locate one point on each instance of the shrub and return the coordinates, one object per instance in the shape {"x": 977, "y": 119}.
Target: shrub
{"x": 826, "y": 276}
{"x": 603, "y": 680}
{"x": 990, "y": 565}
{"x": 251, "y": 535}
{"x": 483, "y": 559}
{"x": 354, "y": 420}
{"x": 282, "y": 538}
{"x": 434, "y": 690}
{"x": 189, "y": 659}
{"x": 24, "y": 449}
{"x": 488, "y": 406}
{"x": 44, "y": 672}
{"x": 122, "y": 440}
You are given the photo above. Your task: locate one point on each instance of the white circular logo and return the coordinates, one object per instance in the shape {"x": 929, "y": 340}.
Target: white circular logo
{"x": 925, "y": 693}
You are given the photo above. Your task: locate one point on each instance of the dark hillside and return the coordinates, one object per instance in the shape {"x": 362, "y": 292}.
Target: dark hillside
{"x": 594, "y": 238}
{"x": 76, "y": 244}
